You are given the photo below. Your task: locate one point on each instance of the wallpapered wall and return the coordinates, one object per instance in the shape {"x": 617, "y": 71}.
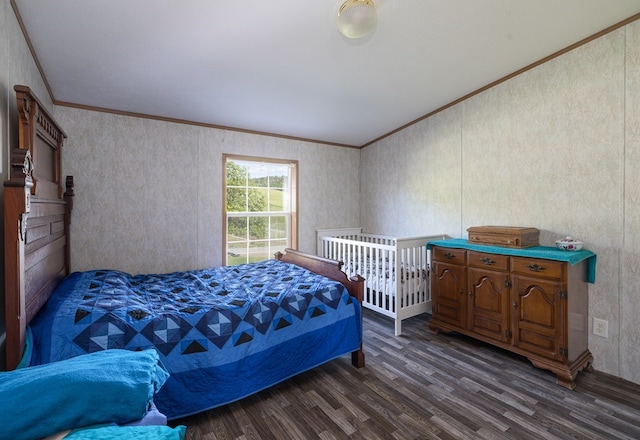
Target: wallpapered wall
{"x": 556, "y": 148}
{"x": 149, "y": 193}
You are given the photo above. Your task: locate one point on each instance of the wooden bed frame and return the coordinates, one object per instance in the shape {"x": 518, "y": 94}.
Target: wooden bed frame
{"x": 36, "y": 220}
{"x": 37, "y": 215}
{"x": 330, "y": 269}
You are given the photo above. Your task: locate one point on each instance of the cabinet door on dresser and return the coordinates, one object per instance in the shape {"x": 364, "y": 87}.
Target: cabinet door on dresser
{"x": 448, "y": 286}
{"x": 489, "y": 288}
{"x": 539, "y": 295}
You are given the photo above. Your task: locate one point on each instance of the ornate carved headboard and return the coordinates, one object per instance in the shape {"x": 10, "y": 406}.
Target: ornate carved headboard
{"x": 36, "y": 220}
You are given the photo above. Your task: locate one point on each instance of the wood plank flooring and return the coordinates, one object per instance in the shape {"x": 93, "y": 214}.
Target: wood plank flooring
{"x": 424, "y": 386}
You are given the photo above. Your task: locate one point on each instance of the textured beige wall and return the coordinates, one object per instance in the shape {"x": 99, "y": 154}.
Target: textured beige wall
{"x": 555, "y": 148}
{"x": 411, "y": 181}
{"x": 149, "y": 193}
{"x": 629, "y": 303}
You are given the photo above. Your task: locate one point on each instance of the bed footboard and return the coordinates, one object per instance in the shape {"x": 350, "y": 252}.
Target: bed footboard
{"x": 330, "y": 269}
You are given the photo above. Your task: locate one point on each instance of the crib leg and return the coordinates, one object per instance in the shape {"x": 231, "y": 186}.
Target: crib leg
{"x": 398, "y": 327}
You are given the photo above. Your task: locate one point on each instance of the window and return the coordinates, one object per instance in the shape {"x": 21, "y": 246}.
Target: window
{"x": 260, "y": 208}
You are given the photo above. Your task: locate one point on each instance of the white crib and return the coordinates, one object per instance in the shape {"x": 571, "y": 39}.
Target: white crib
{"x": 379, "y": 259}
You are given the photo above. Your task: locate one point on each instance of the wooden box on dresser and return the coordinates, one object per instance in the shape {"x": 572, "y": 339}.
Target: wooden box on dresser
{"x": 515, "y": 299}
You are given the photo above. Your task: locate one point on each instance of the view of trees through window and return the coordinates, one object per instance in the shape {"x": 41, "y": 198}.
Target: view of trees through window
{"x": 258, "y": 209}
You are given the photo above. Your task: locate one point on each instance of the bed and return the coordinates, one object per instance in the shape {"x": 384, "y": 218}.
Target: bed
{"x": 223, "y": 333}
{"x": 396, "y": 269}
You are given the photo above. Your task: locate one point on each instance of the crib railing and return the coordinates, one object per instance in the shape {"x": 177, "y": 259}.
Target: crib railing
{"x": 396, "y": 270}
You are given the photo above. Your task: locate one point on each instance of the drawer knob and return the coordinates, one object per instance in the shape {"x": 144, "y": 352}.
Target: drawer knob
{"x": 487, "y": 261}
{"x": 535, "y": 268}
{"x": 448, "y": 255}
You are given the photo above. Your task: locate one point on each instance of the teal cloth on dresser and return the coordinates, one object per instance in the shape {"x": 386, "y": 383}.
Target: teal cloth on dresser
{"x": 545, "y": 252}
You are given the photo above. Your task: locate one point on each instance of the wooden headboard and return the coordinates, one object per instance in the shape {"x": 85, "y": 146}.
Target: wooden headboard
{"x": 37, "y": 214}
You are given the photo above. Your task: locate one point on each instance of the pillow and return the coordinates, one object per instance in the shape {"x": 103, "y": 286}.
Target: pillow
{"x": 128, "y": 433}
{"x": 110, "y": 386}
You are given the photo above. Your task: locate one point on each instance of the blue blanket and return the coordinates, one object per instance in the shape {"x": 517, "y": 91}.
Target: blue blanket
{"x": 128, "y": 433}
{"x": 112, "y": 386}
{"x": 223, "y": 333}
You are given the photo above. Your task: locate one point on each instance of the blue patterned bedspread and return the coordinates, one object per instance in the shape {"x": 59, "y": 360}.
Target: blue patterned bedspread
{"x": 223, "y": 333}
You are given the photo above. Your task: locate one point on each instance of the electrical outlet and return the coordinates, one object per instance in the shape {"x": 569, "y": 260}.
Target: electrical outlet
{"x": 601, "y": 327}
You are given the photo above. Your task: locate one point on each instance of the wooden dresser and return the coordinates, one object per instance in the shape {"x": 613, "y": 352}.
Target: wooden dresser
{"x": 531, "y": 301}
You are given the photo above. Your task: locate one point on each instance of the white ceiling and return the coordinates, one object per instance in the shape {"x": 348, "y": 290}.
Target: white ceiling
{"x": 281, "y": 67}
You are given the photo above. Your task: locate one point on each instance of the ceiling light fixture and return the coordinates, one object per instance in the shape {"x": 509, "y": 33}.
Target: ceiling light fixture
{"x": 357, "y": 18}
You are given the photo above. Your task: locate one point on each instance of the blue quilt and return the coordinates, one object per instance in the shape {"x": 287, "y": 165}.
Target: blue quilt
{"x": 222, "y": 333}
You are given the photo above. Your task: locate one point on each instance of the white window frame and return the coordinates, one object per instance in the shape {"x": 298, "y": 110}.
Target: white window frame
{"x": 233, "y": 255}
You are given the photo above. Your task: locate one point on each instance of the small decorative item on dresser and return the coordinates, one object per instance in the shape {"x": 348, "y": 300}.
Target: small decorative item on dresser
{"x": 569, "y": 244}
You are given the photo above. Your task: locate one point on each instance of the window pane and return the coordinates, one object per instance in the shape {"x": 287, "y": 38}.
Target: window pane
{"x": 257, "y": 180}
{"x": 236, "y": 174}
{"x": 258, "y": 199}
{"x": 236, "y": 199}
{"x": 278, "y": 245}
{"x": 276, "y": 200}
{"x": 278, "y": 177}
{"x": 278, "y": 227}
{"x": 237, "y": 253}
{"x": 258, "y": 228}
{"x": 236, "y": 229}
{"x": 259, "y": 251}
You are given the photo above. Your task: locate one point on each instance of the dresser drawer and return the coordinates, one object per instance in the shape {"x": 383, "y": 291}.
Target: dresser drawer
{"x": 488, "y": 261}
{"x": 448, "y": 255}
{"x": 538, "y": 267}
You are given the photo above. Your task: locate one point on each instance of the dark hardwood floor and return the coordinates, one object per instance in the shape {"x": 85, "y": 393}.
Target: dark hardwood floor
{"x": 422, "y": 386}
